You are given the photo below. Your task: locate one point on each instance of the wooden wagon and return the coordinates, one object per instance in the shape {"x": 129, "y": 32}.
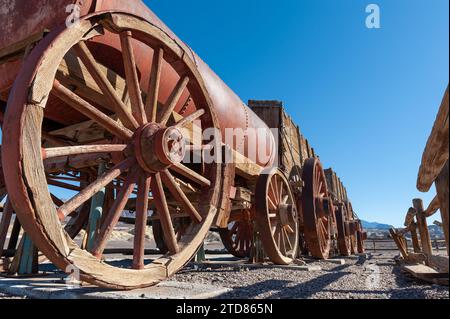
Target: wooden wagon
{"x": 109, "y": 110}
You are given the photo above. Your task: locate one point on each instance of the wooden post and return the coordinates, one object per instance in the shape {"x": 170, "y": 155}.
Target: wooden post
{"x": 201, "y": 256}
{"x": 29, "y": 260}
{"x": 96, "y": 212}
{"x": 4, "y": 225}
{"x": 415, "y": 239}
{"x": 399, "y": 242}
{"x": 423, "y": 228}
{"x": 443, "y": 194}
{"x": 405, "y": 242}
{"x": 26, "y": 258}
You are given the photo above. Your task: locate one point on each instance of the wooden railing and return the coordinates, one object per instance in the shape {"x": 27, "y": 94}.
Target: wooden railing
{"x": 433, "y": 170}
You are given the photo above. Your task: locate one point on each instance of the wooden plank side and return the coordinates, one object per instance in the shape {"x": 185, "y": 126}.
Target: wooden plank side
{"x": 299, "y": 141}
{"x": 304, "y": 149}
{"x": 329, "y": 178}
{"x": 291, "y": 157}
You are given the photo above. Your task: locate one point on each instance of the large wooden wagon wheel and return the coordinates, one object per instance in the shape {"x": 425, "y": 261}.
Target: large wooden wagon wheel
{"x": 238, "y": 236}
{"x": 276, "y": 216}
{"x": 146, "y": 147}
{"x": 317, "y": 210}
{"x": 344, "y": 239}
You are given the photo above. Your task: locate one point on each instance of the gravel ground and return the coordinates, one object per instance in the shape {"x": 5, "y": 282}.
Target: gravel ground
{"x": 374, "y": 278}
{"x": 3, "y": 296}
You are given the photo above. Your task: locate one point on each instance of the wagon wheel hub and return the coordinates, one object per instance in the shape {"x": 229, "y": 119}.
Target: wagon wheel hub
{"x": 324, "y": 206}
{"x": 158, "y": 147}
{"x": 287, "y": 213}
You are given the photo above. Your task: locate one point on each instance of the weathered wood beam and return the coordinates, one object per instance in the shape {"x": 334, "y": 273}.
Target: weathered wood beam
{"x": 437, "y": 149}
{"x": 442, "y": 185}
{"x": 415, "y": 238}
{"x": 399, "y": 243}
{"x": 423, "y": 227}
{"x": 433, "y": 207}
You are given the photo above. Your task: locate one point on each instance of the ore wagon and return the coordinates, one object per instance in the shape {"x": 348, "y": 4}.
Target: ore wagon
{"x": 119, "y": 113}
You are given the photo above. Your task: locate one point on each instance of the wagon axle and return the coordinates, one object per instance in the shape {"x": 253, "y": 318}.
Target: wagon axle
{"x": 158, "y": 148}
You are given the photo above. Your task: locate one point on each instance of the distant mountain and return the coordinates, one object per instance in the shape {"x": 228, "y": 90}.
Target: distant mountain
{"x": 375, "y": 225}
{"x": 436, "y": 231}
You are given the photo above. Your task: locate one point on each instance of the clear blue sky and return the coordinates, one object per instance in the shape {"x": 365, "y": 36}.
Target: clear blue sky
{"x": 366, "y": 99}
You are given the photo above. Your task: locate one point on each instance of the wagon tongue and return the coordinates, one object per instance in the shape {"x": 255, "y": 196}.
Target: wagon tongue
{"x": 159, "y": 147}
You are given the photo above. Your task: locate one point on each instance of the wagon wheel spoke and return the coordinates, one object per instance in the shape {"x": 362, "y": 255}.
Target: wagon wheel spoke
{"x": 114, "y": 213}
{"x": 277, "y": 191}
{"x": 272, "y": 192}
{"x": 324, "y": 228}
{"x": 190, "y": 118}
{"x": 322, "y": 233}
{"x": 278, "y": 234}
{"x": 281, "y": 191}
{"x": 134, "y": 90}
{"x": 173, "y": 100}
{"x": 282, "y": 244}
{"x": 49, "y": 153}
{"x": 87, "y": 193}
{"x": 319, "y": 190}
{"x": 180, "y": 196}
{"x": 288, "y": 241}
{"x": 289, "y": 229}
{"x": 141, "y": 221}
{"x": 105, "y": 86}
{"x": 90, "y": 111}
{"x": 151, "y": 105}
{"x": 190, "y": 174}
{"x": 271, "y": 200}
{"x": 164, "y": 214}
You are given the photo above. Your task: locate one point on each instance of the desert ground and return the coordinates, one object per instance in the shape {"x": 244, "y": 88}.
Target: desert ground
{"x": 373, "y": 275}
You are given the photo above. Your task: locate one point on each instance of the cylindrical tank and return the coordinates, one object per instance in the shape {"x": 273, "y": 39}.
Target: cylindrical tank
{"x": 22, "y": 18}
